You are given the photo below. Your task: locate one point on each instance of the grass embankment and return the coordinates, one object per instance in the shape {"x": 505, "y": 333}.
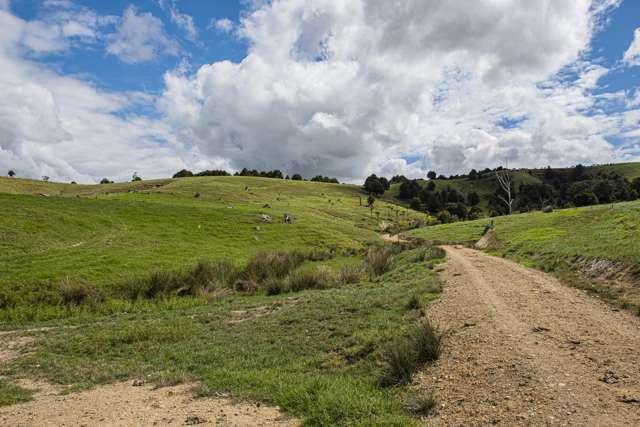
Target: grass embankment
{"x": 320, "y": 354}
{"x": 595, "y": 248}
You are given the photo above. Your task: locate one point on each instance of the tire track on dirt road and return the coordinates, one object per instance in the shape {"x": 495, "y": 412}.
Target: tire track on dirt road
{"x": 525, "y": 349}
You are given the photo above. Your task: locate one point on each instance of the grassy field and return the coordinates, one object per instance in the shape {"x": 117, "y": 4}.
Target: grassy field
{"x": 318, "y": 354}
{"x": 107, "y": 234}
{"x": 316, "y": 349}
{"x": 583, "y": 245}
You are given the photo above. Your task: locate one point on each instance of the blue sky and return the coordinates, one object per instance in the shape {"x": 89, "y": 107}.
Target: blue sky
{"x": 341, "y": 89}
{"x": 108, "y": 71}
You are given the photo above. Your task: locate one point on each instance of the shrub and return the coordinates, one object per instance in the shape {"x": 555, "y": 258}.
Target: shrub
{"x": 378, "y": 260}
{"x": 320, "y": 278}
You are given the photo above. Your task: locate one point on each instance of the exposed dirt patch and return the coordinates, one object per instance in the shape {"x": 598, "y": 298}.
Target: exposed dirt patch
{"x": 12, "y": 346}
{"x": 488, "y": 240}
{"x": 524, "y": 349}
{"x": 618, "y": 277}
{"x": 123, "y": 404}
{"x": 395, "y": 238}
{"x": 239, "y": 316}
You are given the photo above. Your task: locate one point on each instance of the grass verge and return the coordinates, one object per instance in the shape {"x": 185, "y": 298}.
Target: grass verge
{"x": 317, "y": 353}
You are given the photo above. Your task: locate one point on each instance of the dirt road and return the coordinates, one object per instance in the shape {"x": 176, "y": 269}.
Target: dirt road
{"x": 524, "y": 349}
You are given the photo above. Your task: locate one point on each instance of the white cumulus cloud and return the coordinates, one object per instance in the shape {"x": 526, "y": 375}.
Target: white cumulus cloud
{"x": 66, "y": 128}
{"x": 346, "y": 88}
{"x": 140, "y": 38}
{"x": 225, "y": 25}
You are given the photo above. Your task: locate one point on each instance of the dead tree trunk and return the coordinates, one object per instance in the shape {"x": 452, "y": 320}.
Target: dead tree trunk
{"x": 504, "y": 179}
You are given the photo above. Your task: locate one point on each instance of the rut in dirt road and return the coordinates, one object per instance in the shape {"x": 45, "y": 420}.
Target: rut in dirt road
{"x": 524, "y": 349}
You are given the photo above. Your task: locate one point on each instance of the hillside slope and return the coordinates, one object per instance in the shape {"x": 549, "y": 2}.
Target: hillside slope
{"x": 596, "y": 247}
{"x": 104, "y": 232}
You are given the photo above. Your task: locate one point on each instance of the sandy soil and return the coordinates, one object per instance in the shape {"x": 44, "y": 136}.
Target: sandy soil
{"x": 123, "y": 404}
{"x": 524, "y": 349}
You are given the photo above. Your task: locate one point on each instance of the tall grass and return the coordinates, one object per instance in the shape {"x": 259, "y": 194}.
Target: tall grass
{"x": 271, "y": 264}
{"x": 378, "y": 260}
{"x": 407, "y": 354}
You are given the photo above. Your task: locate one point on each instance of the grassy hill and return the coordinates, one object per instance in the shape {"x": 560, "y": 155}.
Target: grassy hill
{"x": 110, "y": 271}
{"x": 595, "y": 248}
{"x": 102, "y": 233}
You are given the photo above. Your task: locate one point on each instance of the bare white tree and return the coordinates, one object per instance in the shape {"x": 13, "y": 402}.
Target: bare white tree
{"x": 504, "y": 179}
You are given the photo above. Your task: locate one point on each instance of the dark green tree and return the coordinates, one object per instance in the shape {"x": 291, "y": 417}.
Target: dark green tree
{"x": 372, "y": 185}
{"x": 183, "y": 174}
{"x": 473, "y": 199}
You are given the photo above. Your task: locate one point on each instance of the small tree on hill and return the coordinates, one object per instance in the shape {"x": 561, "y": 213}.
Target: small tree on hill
{"x": 11, "y": 174}
{"x": 105, "y": 181}
{"x": 431, "y": 175}
{"x": 45, "y": 178}
{"x": 135, "y": 177}
{"x": 296, "y": 177}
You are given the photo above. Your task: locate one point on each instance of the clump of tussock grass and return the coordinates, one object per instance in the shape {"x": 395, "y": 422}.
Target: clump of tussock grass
{"x": 414, "y": 302}
{"x": 75, "y": 294}
{"x": 427, "y": 254}
{"x": 428, "y": 341}
{"x": 378, "y": 260}
{"x": 161, "y": 283}
{"x": 409, "y": 353}
{"x": 420, "y": 404}
{"x": 208, "y": 276}
{"x": 319, "y": 278}
{"x": 320, "y": 255}
{"x": 271, "y": 264}
{"x": 349, "y": 274}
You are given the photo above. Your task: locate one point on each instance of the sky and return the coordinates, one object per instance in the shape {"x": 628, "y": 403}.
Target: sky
{"x": 92, "y": 89}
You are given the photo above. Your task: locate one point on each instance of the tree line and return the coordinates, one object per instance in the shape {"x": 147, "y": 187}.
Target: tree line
{"x": 184, "y": 173}
{"x": 507, "y": 191}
